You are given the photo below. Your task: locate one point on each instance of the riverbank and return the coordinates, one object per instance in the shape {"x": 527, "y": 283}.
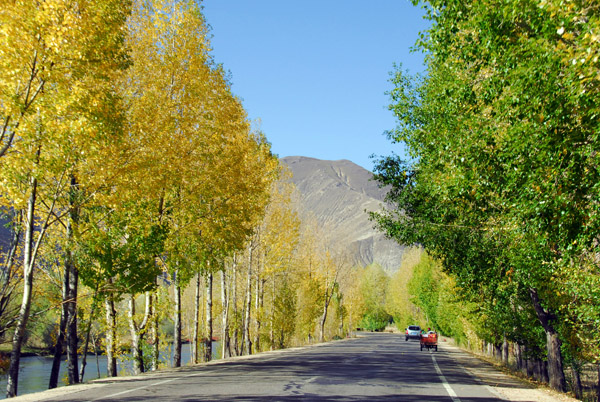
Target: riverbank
{"x": 28, "y": 351}
{"x": 35, "y": 369}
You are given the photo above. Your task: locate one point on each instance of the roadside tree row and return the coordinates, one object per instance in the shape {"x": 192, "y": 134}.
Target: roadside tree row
{"x": 124, "y": 155}
{"x": 144, "y": 210}
{"x": 502, "y": 182}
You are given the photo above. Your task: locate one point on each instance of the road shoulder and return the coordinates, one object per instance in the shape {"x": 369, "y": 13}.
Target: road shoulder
{"x": 504, "y": 385}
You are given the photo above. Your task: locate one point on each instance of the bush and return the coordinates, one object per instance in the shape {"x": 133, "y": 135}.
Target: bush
{"x": 375, "y": 321}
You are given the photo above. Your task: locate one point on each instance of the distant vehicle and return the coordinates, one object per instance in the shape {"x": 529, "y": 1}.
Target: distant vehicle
{"x": 413, "y": 332}
{"x": 429, "y": 340}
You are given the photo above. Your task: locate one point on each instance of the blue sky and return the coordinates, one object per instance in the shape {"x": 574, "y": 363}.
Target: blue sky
{"x": 315, "y": 72}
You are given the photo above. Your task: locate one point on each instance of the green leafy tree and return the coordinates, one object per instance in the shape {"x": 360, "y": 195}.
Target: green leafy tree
{"x": 503, "y": 135}
{"x": 373, "y": 289}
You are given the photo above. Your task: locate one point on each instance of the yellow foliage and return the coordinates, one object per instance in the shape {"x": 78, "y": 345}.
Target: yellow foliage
{"x": 398, "y": 299}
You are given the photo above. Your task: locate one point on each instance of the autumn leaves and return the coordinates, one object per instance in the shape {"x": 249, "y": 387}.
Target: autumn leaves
{"x": 122, "y": 146}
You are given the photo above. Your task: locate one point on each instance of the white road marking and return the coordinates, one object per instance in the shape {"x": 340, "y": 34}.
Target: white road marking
{"x": 444, "y": 381}
{"x": 134, "y": 389}
{"x": 494, "y": 392}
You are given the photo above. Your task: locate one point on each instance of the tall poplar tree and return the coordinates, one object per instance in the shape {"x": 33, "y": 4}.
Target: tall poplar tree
{"x": 59, "y": 58}
{"x": 195, "y": 154}
{"x": 503, "y": 135}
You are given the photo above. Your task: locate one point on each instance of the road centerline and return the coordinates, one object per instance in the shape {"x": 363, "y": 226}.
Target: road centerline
{"x": 449, "y": 389}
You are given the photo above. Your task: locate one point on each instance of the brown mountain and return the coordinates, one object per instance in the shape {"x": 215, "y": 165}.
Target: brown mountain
{"x": 338, "y": 193}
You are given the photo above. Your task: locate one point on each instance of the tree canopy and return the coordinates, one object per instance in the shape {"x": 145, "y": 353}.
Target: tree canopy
{"x": 503, "y": 181}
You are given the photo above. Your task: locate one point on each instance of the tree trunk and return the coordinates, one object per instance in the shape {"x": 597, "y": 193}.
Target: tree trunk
{"x": 87, "y": 337}
{"x": 144, "y": 325}
{"x": 272, "y": 329}
{"x": 246, "y": 341}
{"x": 72, "y": 338}
{"x": 540, "y": 368}
{"x": 209, "y": 317}
{"x": 553, "y": 343}
{"x": 154, "y": 333}
{"x": 260, "y": 284}
{"x": 323, "y": 319}
{"x": 598, "y": 385}
{"x": 236, "y": 335}
{"x": 341, "y": 315}
{"x": 322, "y": 324}
{"x": 196, "y": 319}
{"x": 577, "y": 388}
{"x": 138, "y": 365}
{"x": 137, "y": 333}
{"x": 498, "y": 351}
{"x": 177, "y": 323}
{"x": 281, "y": 339}
{"x": 59, "y": 347}
{"x": 505, "y": 351}
{"x": 95, "y": 341}
{"x": 530, "y": 367}
{"x": 28, "y": 262}
{"x": 111, "y": 335}
{"x": 84, "y": 353}
{"x": 519, "y": 357}
{"x": 350, "y": 323}
{"x": 225, "y": 344}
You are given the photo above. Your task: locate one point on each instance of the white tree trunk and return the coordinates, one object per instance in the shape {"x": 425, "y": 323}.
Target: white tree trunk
{"x": 236, "y": 335}
{"x": 226, "y": 351}
{"x": 177, "y": 323}
{"x": 246, "y": 341}
{"x": 196, "y": 321}
{"x": 272, "y": 329}
{"x": 154, "y": 332}
{"x": 137, "y": 333}
{"x": 28, "y": 262}
{"x": 209, "y": 317}
{"x": 111, "y": 335}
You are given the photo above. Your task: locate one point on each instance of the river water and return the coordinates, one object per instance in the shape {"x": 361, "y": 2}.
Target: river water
{"x": 34, "y": 372}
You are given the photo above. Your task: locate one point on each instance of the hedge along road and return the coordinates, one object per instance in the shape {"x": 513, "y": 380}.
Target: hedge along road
{"x": 373, "y": 367}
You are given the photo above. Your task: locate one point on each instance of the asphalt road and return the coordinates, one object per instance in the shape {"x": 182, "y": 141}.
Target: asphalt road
{"x": 372, "y": 367}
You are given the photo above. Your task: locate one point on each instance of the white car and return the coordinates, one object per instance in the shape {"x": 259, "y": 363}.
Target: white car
{"x": 413, "y": 332}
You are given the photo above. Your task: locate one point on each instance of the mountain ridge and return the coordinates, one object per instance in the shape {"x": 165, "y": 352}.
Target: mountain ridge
{"x": 339, "y": 193}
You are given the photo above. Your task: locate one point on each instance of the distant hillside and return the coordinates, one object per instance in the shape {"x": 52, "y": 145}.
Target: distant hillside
{"x": 338, "y": 193}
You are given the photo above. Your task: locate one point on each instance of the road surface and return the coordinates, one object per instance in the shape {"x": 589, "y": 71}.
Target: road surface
{"x": 371, "y": 367}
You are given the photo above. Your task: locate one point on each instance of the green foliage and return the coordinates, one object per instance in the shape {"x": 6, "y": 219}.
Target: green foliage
{"x": 310, "y": 306}
{"x": 373, "y": 290}
{"x": 398, "y": 297}
{"x": 42, "y": 329}
{"x": 425, "y": 290}
{"x": 285, "y": 314}
{"x": 438, "y": 299}
{"x": 375, "y": 320}
{"x": 122, "y": 250}
{"x": 503, "y": 135}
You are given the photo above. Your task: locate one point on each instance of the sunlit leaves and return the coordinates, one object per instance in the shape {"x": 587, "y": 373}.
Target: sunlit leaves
{"x": 503, "y": 131}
